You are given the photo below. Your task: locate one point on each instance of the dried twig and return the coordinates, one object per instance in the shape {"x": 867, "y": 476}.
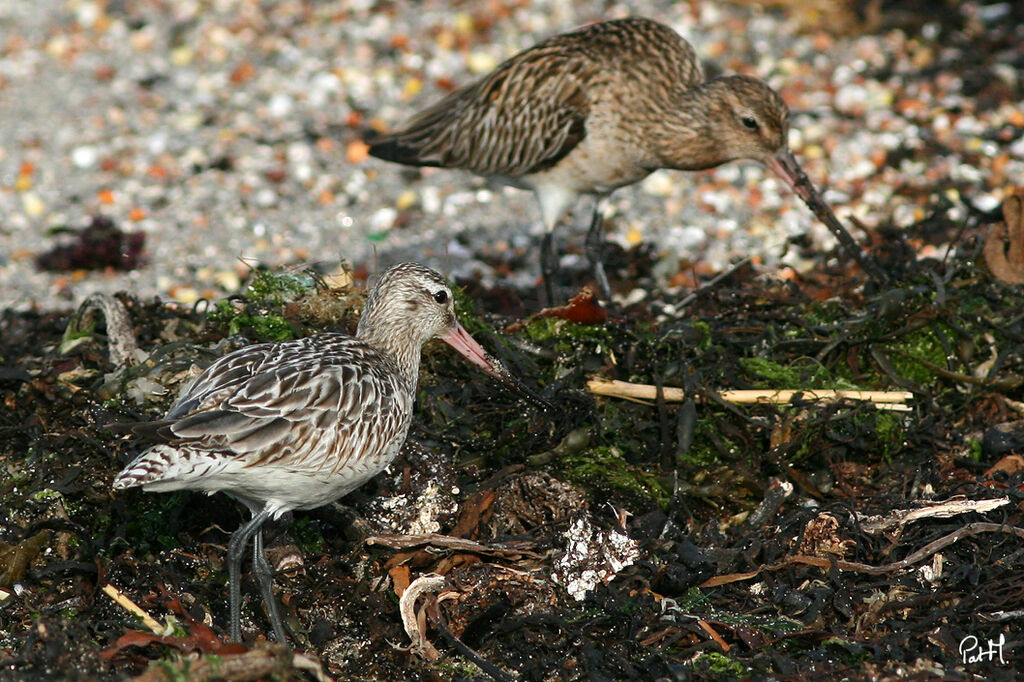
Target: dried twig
{"x": 271, "y": 661}
{"x": 943, "y": 510}
{"x": 999, "y": 616}
{"x": 889, "y": 400}
{"x": 923, "y": 553}
{"x": 128, "y": 605}
{"x": 713, "y": 282}
{"x": 706, "y": 627}
{"x": 509, "y": 550}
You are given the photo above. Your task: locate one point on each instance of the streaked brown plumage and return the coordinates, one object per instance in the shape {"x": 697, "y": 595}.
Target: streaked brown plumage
{"x": 592, "y": 110}
{"x": 298, "y": 424}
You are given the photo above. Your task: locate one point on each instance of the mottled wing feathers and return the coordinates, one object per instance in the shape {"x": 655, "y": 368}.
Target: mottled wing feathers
{"x": 314, "y": 402}
{"x": 531, "y": 111}
{"x": 227, "y": 373}
{"x": 154, "y": 431}
{"x": 523, "y": 117}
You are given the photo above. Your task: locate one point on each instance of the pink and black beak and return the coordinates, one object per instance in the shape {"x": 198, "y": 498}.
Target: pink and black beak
{"x": 786, "y": 167}
{"x": 458, "y": 338}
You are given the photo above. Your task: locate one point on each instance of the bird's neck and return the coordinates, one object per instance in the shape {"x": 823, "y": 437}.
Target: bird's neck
{"x": 408, "y": 360}
{"x": 398, "y": 348}
{"x": 688, "y": 139}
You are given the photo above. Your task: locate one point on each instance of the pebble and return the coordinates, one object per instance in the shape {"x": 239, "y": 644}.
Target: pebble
{"x": 480, "y": 63}
{"x": 685, "y": 239}
{"x": 658, "y": 184}
{"x": 986, "y": 202}
{"x": 405, "y": 200}
{"x": 32, "y": 205}
{"x": 84, "y": 156}
{"x": 383, "y": 219}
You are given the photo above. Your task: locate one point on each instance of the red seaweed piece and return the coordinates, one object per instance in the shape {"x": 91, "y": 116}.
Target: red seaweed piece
{"x": 98, "y": 246}
{"x": 582, "y": 308}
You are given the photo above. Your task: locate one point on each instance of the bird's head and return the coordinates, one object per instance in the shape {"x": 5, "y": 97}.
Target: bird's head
{"x": 751, "y": 121}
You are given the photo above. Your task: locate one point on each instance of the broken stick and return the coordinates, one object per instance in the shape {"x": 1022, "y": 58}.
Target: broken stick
{"x": 889, "y": 400}
{"x": 133, "y": 608}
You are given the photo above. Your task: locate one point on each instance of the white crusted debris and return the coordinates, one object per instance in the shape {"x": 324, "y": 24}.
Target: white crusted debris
{"x": 592, "y": 556}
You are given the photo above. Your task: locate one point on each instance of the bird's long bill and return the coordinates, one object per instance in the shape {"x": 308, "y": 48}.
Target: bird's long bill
{"x": 459, "y": 339}
{"x": 786, "y": 167}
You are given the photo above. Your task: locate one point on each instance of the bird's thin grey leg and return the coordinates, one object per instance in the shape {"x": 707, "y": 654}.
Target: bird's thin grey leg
{"x": 595, "y": 248}
{"x": 265, "y": 576}
{"x": 236, "y": 547}
{"x": 548, "y": 266}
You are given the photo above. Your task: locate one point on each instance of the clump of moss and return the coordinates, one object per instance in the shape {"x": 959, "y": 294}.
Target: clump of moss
{"x": 703, "y": 451}
{"x": 278, "y": 288}
{"x": 265, "y": 327}
{"x": 889, "y": 429}
{"x": 465, "y": 308}
{"x": 721, "y": 665}
{"x": 826, "y": 313}
{"x": 307, "y": 536}
{"x": 150, "y": 525}
{"x": 605, "y": 467}
{"x": 568, "y": 336}
{"x": 260, "y": 313}
{"x": 704, "y": 330}
{"x": 803, "y": 373}
{"x": 922, "y": 344}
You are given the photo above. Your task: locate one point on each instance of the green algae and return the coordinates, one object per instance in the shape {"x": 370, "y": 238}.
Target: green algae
{"x": 605, "y": 467}
{"x": 261, "y": 314}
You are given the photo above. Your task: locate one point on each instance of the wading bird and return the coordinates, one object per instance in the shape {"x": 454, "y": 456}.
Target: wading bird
{"x": 598, "y": 108}
{"x": 298, "y": 424}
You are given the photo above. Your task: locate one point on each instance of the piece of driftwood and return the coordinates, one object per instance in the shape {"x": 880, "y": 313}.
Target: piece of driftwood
{"x": 415, "y": 623}
{"x": 887, "y": 400}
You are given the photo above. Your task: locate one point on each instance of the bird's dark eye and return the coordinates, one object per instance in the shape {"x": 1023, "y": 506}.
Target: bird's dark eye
{"x": 750, "y": 122}
{"x": 441, "y": 296}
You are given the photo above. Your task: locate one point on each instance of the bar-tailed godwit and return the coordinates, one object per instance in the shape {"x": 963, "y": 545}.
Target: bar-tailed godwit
{"x": 592, "y": 110}
{"x": 298, "y": 424}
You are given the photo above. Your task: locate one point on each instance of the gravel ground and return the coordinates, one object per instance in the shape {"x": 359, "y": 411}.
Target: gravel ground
{"x": 227, "y": 131}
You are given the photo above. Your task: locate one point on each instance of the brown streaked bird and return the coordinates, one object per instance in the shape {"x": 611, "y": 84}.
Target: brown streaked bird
{"x": 598, "y": 108}
{"x": 298, "y": 424}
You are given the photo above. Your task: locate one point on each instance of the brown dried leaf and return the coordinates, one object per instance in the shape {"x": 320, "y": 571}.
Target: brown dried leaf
{"x": 1006, "y": 261}
{"x": 1011, "y": 464}
{"x": 821, "y": 538}
{"x": 141, "y": 639}
{"x": 472, "y": 512}
{"x": 15, "y": 559}
{"x": 199, "y": 632}
{"x": 400, "y": 578}
{"x": 582, "y": 308}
